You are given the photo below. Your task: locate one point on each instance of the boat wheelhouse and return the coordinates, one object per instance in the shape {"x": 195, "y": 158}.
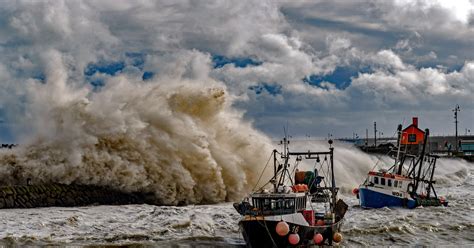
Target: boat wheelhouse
{"x": 284, "y": 203}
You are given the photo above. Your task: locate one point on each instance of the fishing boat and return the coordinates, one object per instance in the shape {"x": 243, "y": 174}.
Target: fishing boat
{"x": 295, "y": 208}
{"x": 407, "y": 183}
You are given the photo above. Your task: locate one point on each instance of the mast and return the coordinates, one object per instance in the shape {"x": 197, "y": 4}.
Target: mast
{"x": 398, "y": 169}
{"x": 333, "y": 180}
{"x": 274, "y": 170}
{"x": 285, "y": 156}
{"x": 433, "y": 163}
{"x": 417, "y": 176}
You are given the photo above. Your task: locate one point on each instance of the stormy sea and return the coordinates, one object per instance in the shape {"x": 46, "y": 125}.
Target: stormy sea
{"x": 184, "y": 143}
{"x": 215, "y": 225}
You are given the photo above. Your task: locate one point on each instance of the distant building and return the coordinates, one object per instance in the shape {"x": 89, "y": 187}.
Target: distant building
{"x": 467, "y": 148}
{"x": 412, "y": 137}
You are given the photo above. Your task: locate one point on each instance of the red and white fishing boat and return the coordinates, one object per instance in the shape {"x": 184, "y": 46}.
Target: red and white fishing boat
{"x": 300, "y": 210}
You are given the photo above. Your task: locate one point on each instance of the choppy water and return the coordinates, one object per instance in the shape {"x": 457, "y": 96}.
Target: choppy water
{"x": 452, "y": 225}
{"x": 216, "y": 225}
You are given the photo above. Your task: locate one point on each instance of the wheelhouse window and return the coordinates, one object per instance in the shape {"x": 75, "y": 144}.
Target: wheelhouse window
{"x": 282, "y": 204}
{"x": 395, "y": 183}
{"x": 300, "y": 203}
{"x": 412, "y": 137}
{"x": 290, "y": 204}
{"x": 389, "y": 182}
{"x": 267, "y": 204}
{"x": 382, "y": 181}
{"x": 376, "y": 180}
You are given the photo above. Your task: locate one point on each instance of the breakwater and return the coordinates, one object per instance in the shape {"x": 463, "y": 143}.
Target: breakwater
{"x": 61, "y": 195}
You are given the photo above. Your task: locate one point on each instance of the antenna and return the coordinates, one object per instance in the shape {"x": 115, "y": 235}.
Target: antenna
{"x": 286, "y": 129}
{"x": 285, "y": 155}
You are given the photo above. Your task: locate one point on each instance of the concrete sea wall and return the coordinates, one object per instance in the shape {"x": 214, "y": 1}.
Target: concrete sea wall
{"x": 61, "y": 195}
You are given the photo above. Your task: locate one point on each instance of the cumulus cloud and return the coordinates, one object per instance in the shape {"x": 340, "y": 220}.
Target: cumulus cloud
{"x": 393, "y": 55}
{"x": 118, "y": 92}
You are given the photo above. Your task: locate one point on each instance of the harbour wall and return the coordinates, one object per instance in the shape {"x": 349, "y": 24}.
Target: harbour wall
{"x": 61, "y": 195}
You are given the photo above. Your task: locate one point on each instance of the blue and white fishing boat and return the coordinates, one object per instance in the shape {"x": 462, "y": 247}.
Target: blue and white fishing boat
{"x": 408, "y": 183}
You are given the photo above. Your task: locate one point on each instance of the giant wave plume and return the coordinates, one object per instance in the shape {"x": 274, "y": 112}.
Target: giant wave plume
{"x": 178, "y": 139}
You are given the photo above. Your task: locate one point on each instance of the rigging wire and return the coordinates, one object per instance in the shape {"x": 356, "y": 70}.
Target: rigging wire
{"x": 261, "y": 173}
{"x": 379, "y": 158}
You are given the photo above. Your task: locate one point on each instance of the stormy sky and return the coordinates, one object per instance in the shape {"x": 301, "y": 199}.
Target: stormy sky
{"x": 318, "y": 67}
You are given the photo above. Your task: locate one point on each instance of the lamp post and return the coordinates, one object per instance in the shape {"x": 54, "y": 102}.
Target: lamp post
{"x": 375, "y": 134}
{"x": 456, "y": 110}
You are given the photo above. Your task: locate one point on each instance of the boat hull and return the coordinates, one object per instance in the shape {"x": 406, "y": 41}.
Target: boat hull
{"x": 258, "y": 232}
{"x": 370, "y": 198}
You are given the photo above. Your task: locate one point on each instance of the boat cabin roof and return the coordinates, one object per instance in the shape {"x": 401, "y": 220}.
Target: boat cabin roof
{"x": 388, "y": 175}
{"x": 277, "y": 195}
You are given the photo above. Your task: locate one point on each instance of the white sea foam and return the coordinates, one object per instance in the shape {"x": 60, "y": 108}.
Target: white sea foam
{"x": 452, "y": 171}
{"x": 178, "y": 139}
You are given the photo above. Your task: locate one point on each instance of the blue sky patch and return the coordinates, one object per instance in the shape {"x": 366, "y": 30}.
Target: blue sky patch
{"x": 147, "y": 75}
{"x": 341, "y": 77}
{"x": 219, "y": 61}
{"x": 97, "y": 83}
{"x": 40, "y": 77}
{"x": 110, "y": 68}
{"x": 113, "y": 68}
{"x": 272, "y": 89}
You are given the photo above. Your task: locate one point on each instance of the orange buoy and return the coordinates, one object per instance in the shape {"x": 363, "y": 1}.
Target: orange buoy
{"x": 355, "y": 191}
{"x": 282, "y": 228}
{"x": 300, "y": 188}
{"x": 294, "y": 238}
{"x": 318, "y": 238}
{"x": 320, "y": 223}
{"x": 337, "y": 237}
{"x": 304, "y": 188}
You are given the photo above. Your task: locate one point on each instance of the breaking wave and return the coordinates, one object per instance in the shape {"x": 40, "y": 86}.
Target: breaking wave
{"x": 179, "y": 140}
{"x": 451, "y": 172}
